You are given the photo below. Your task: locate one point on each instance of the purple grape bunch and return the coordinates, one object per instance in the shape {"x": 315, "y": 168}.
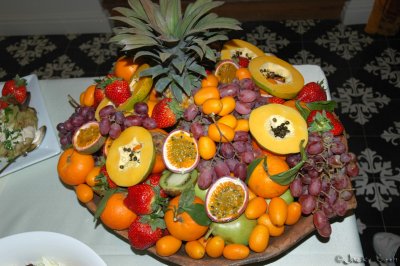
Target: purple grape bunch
{"x": 232, "y": 157}
{"x": 113, "y": 122}
{"x": 323, "y": 184}
{"x": 66, "y": 129}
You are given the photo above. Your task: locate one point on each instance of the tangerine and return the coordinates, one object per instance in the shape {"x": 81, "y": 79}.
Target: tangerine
{"x": 207, "y": 148}
{"x": 159, "y": 164}
{"x": 204, "y": 94}
{"x": 73, "y": 167}
{"x": 168, "y": 245}
{"x": 278, "y": 211}
{"x": 273, "y": 229}
{"x": 209, "y": 81}
{"x": 116, "y": 215}
{"x": 228, "y": 105}
{"x": 91, "y": 177}
{"x": 180, "y": 224}
{"x": 293, "y": 213}
{"x": 124, "y": 68}
{"x": 211, "y": 106}
{"x": 243, "y": 73}
{"x": 260, "y": 181}
{"x": 84, "y": 193}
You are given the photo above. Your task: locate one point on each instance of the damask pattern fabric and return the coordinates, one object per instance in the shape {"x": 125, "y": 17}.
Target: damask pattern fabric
{"x": 363, "y": 72}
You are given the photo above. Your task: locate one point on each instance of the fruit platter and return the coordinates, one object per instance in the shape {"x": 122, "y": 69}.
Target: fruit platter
{"x": 201, "y": 149}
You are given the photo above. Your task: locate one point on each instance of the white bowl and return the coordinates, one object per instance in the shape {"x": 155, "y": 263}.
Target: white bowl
{"x": 31, "y": 247}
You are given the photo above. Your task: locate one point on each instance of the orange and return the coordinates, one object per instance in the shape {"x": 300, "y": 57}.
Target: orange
{"x": 259, "y": 238}
{"x": 116, "y": 215}
{"x": 195, "y": 249}
{"x": 207, "y": 148}
{"x": 91, "y": 177}
{"x": 215, "y": 247}
{"x": 211, "y": 106}
{"x": 273, "y": 229}
{"x": 228, "y": 105}
{"x": 236, "y": 251}
{"x": 181, "y": 225}
{"x": 256, "y": 207}
{"x": 84, "y": 193}
{"x": 219, "y": 132}
{"x": 229, "y": 120}
{"x": 73, "y": 167}
{"x": 87, "y": 97}
{"x": 210, "y": 81}
{"x": 159, "y": 164}
{"x": 278, "y": 211}
{"x": 292, "y": 103}
{"x": 125, "y": 67}
{"x": 243, "y": 73}
{"x": 168, "y": 245}
{"x": 260, "y": 181}
{"x": 206, "y": 93}
{"x": 293, "y": 213}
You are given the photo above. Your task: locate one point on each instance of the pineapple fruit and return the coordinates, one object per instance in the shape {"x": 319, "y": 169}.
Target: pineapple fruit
{"x": 177, "y": 45}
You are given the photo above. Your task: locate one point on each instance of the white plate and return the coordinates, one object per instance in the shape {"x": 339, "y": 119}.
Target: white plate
{"x": 50, "y": 146}
{"x": 31, "y": 247}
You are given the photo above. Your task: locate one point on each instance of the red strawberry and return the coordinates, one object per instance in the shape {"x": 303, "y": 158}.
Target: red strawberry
{"x": 312, "y": 92}
{"x": 322, "y": 121}
{"x": 116, "y": 89}
{"x": 243, "y": 61}
{"x": 98, "y": 96}
{"x": 167, "y": 112}
{"x": 144, "y": 199}
{"x": 275, "y": 99}
{"x": 110, "y": 183}
{"x": 154, "y": 181}
{"x": 16, "y": 88}
{"x": 145, "y": 231}
{"x": 3, "y": 104}
{"x": 20, "y": 94}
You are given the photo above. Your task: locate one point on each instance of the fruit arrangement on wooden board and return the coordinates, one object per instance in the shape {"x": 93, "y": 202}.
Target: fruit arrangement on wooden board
{"x": 200, "y": 155}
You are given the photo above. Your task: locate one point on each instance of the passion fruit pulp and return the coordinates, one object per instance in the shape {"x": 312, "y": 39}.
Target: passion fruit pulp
{"x": 180, "y": 152}
{"x": 226, "y": 199}
{"x": 87, "y": 139}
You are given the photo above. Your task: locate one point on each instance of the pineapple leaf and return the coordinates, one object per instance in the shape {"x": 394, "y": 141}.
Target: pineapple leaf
{"x": 177, "y": 92}
{"x": 137, "y": 7}
{"x": 179, "y": 65}
{"x": 197, "y": 49}
{"x": 153, "y": 15}
{"x": 215, "y": 38}
{"x": 210, "y": 22}
{"x": 131, "y": 21}
{"x": 191, "y": 8}
{"x": 193, "y": 17}
{"x": 198, "y": 69}
{"x": 133, "y": 31}
{"x": 210, "y": 54}
{"x": 171, "y": 10}
{"x": 178, "y": 80}
{"x": 187, "y": 85}
{"x": 133, "y": 41}
{"x": 155, "y": 71}
{"x": 162, "y": 84}
{"x": 144, "y": 53}
{"x": 164, "y": 56}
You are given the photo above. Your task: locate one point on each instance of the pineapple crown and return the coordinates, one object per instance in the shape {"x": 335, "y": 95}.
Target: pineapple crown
{"x": 176, "y": 44}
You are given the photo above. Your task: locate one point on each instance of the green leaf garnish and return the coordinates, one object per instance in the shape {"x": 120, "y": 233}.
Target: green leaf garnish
{"x": 251, "y": 167}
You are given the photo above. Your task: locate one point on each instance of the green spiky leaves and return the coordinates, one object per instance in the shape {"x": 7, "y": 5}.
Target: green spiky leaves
{"x": 175, "y": 43}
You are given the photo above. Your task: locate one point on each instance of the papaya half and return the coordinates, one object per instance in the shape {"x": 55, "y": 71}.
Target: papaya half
{"x": 236, "y": 47}
{"x": 276, "y": 76}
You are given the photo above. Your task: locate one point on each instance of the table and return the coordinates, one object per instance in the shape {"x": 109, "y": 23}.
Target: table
{"x": 34, "y": 199}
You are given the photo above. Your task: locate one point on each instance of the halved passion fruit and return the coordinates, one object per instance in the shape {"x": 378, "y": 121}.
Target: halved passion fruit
{"x": 180, "y": 152}
{"x": 87, "y": 139}
{"x": 226, "y": 199}
{"x": 226, "y": 71}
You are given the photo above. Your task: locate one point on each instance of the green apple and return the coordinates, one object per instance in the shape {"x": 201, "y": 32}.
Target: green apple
{"x": 237, "y": 231}
{"x": 201, "y": 193}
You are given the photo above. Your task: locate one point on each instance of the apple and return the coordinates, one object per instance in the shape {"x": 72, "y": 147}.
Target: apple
{"x": 201, "y": 193}
{"x": 237, "y": 231}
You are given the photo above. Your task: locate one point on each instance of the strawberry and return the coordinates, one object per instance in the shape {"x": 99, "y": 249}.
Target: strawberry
{"x": 312, "y": 92}
{"x": 116, "y": 89}
{"x": 154, "y": 181}
{"x": 243, "y": 61}
{"x": 322, "y": 121}
{"x": 98, "y": 96}
{"x": 145, "y": 231}
{"x": 275, "y": 99}
{"x": 20, "y": 94}
{"x": 3, "y": 104}
{"x": 167, "y": 112}
{"x": 144, "y": 199}
{"x": 15, "y": 88}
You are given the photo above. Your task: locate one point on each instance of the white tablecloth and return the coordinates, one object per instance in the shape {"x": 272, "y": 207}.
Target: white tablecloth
{"x": 34, "y": 199}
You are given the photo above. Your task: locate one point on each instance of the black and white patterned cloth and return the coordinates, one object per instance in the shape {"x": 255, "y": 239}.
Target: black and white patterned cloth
{"x": 363, "y": 72}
